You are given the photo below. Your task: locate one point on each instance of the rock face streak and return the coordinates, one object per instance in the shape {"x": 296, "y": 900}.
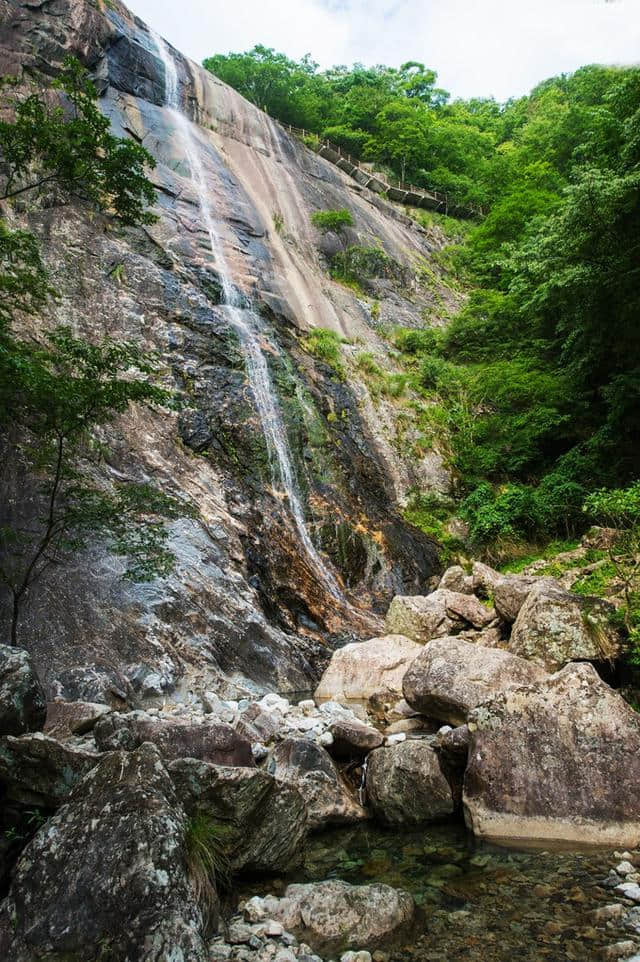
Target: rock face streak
{"x": 291, "y": 467}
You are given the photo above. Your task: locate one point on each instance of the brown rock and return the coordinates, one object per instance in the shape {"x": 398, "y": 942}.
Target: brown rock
{"x": 73, "y": 717}
{"x": 209, "y": 741}
{"x": 456, "y": 579}
{"x": 38, "y": 770}
{"x": 558, "y": 761}
{"x": 353, "y": 738}
{"x": 450, "y": 677}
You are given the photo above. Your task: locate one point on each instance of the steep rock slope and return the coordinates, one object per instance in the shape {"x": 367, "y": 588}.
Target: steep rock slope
{"x": 245, "y": 603}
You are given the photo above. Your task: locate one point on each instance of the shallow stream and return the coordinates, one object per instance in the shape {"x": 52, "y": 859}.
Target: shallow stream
{"x": 477, "y": 903}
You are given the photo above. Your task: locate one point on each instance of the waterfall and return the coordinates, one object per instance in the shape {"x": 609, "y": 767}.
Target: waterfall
{"x": 246, "y": 323}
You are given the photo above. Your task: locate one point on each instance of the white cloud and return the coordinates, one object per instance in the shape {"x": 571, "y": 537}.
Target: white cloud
{"x": 478, "y": 47}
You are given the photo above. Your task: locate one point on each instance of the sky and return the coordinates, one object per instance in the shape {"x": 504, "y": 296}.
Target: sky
{"x": 482, "y": 48}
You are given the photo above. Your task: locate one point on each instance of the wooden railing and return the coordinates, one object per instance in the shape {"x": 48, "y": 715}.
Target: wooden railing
{"x": 397, "y": 191}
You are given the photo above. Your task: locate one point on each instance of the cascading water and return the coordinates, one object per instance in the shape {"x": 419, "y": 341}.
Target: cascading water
{"x": 244, "y": 322}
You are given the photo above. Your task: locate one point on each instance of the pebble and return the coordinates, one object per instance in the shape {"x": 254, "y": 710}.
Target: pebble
{"x": 621, "y": 950}
{"x": 356, "y": 957}
{"x": 325, "y": 739}
{"x": 609, "y": 912}
{"x": 308, "y": 706}
{"x": 625, "y": 868}
{"x": 396, "y": 739}
{"x": 630, "y": 890}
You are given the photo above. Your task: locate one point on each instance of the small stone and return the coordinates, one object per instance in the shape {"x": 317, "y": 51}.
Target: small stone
{"x": 396, "y": 739}
{"x": 285, "y": 955}
{"x": 621, "y": 950}
{"x": 308, "y": 706}
{"x": 325, "y": 739}
{"x": 625, "y": 868}
{"x": 273, "y": 929}
{"x": 609, "y": 912}
{"x": 630, "y": 890}
{"x": 254, "y": 910}
{"x": 356, "y": 957}
{"x": 259, "y": 751}
{"x": 243, "y": 704}
{"x": 240, "y": 933}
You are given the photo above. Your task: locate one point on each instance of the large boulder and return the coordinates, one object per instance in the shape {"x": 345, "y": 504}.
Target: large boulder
{"x": 405, "y": 784}
{"x": 262, "y": 821}
{"x": 107, "y": 875}
{"x": 333, "y": 916}
{"x": 38, "y": 770}
{"x": 23, "y": 706}
{"x": 451, "y": 676}
{"x": 558, "y": 627}
{"x": 208, "y": 740}
{"x": 443, "y": 612}
{"x": 363, "y": 669}
{"x": 559, "y": 761}
{"x": 307, "y": 766}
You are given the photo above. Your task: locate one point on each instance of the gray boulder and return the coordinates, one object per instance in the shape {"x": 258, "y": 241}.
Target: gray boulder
{"x": 450, "y": 677}
{"x": 364, "y": 669}
{"x": 333, "y": 916}
{"x": 262, "y": 820}
{"x": 209, "y": 740}
{"x": 508, "y": 591}
{"x": 23, "y": 706}
{"x": 38, "y": 770}
{"x": 556, "y": 762}
{"x": 443, "y": 612}
{"x": 107, "y": 876}
{"x": 406, "y": 786}
{"x": 456, "y": 579}
{"x": 307, "y": 766}
{"x": 557, "y": 627}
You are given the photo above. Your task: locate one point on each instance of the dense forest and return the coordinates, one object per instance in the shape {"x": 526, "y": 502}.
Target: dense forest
{"x": 539, "y": 374}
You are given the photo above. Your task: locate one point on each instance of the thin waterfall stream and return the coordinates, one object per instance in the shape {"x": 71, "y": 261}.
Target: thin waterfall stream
{"x": 245, "y": 323}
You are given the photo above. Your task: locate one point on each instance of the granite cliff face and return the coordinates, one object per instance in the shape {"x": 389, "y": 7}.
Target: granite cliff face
{"x": 245, "y": 603}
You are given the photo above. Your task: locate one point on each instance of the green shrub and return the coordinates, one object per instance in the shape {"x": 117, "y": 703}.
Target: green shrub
{"x": 429, "y": 511}
{"x": 324, "y": 344}
{"x": 206, "y": 844}
{"x": 360, "y": 264}
{"x": 332, "y": 220}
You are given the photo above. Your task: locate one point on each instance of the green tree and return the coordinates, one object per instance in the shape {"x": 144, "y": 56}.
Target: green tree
{"x": 70, "y": 146}
{"x": 53, "y": 395}
{"x": 53, "y": 400}
{"x": 619, "y": 509}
